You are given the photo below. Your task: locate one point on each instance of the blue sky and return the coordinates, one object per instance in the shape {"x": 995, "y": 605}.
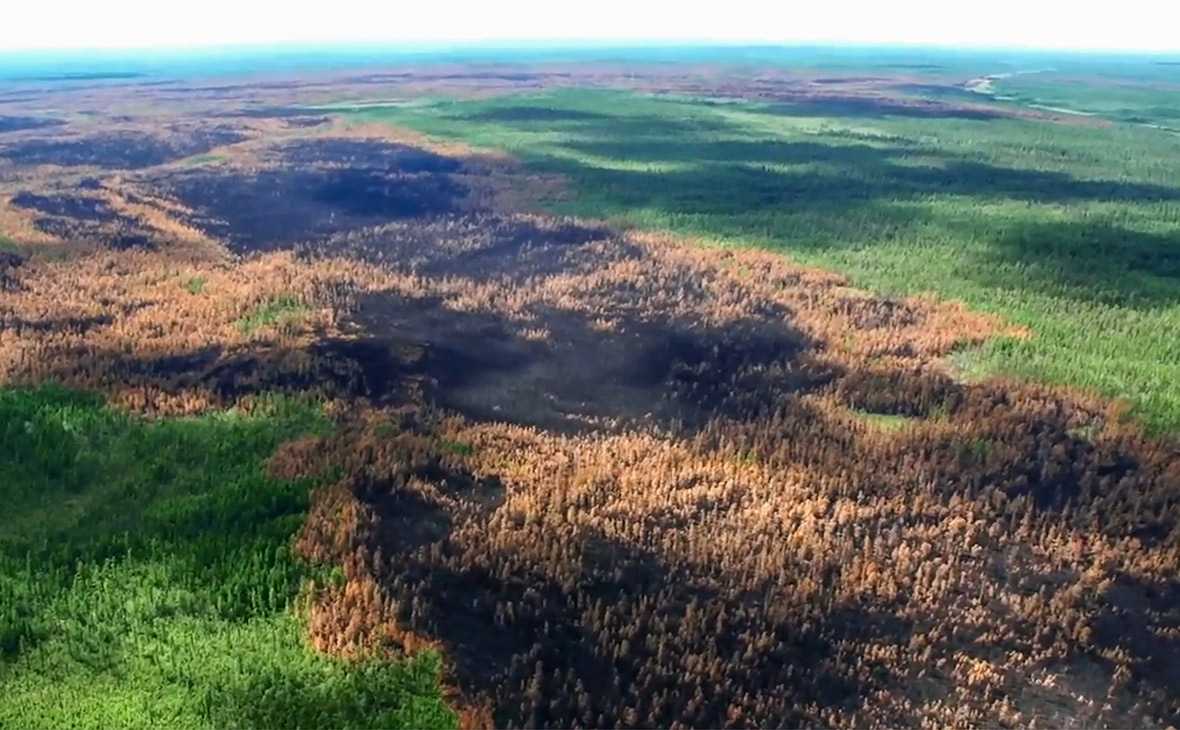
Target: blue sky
{"x": 1144, "y": 25}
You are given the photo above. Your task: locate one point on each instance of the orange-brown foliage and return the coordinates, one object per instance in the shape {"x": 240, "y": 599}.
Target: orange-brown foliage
{"x": 753, "y": 550}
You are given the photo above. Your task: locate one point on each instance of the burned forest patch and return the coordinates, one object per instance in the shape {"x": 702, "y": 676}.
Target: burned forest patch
{"x": 770, "y": 567}
{"x": 482, "y": 246}
{"x": 274, "y": 210}
{"x": 88, "y": 210}
{"x": 319, "y": 189}
{"x": 117, "y": 150}
{"x": 640, "y": 373}
{"x": 366, "y": 154}
{"x": 20, "y": 124}
{"x": 380, "y": 371}
{"x": 69, "y": 217}
{"x": 616, "y": 478}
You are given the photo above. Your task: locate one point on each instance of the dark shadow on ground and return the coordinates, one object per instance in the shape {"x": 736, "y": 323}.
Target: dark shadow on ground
{"x": 857, "y": 194}
{"x": 537, "y": 113}
{"x": 882, "y": 106}
{"x": 1092, "y": 262}
{"x": 552, "y": 660}
{"x": 1141, "y": 615}
{"x": 638, "y": 128}
{"x": 870, "y": 173}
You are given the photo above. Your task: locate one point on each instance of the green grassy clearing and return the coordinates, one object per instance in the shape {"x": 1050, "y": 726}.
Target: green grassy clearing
{"x": 278, "y": 312}
{"x": 459, "y": 448}
{"x": 1072, "y": 231}
{"x": 886, "y": 422}
{"x": 195, "y": 285}
{"x": 147, "y": 578}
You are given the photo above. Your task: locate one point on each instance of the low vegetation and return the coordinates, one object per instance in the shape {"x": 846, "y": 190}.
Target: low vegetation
{"x": 195, "y": 285}
{"x": 282, "y": 311}
{"x": 887, "y": 422}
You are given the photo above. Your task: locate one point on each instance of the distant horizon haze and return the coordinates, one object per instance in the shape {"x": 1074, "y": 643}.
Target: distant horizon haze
{"x": 1133, "y": 26}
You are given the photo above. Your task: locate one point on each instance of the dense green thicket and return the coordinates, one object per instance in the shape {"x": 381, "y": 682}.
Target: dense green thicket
{"x": 1072, "y": 231}
{"x": 147, "y": 578}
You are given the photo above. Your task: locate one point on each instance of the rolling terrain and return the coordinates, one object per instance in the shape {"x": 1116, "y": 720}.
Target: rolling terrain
{"x": 566, "y": 394}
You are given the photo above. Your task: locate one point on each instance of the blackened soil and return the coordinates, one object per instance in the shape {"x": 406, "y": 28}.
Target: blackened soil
{"x": 316, "y": 189}
{"x": 304, "y": 122}
{"x": 483, "y": 246}
{"x": 9, "y": 263}
{"x": 269, "y": 112}
{"x": 339, "y": 368}
{"x": 122, "y": 236}
{"x": 276, "y": 209}
{"x": 667, "y": 373}
{"x": 291, "y": 116}
{"x": 129, "y": 239}
{"x": 364, "y": 193}
{"x": 67, "y": 206}
{"x": 368, "y": 155}
{"x": 381, "y": 370}
{"x": 123, "y": 150}
{"x": 16, "y": 124}
{"x": 76, "y": 216}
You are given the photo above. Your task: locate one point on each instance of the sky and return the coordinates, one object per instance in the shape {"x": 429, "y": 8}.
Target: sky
{"x": 1136, "y": 25}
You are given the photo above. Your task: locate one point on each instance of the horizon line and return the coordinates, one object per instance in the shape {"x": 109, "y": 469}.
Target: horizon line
{"x": 574, "y": 43}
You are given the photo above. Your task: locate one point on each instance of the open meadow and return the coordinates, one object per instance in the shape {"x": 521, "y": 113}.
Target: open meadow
{"x": 719, "y": 389}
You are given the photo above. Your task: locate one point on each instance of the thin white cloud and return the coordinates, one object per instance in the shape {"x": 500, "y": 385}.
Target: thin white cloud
{"x": 1126, "y": 24}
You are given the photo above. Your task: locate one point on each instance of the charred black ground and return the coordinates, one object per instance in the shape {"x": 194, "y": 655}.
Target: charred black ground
{"x": 16, "y": 124}
{"x": 317, "y": 188}
{"x": 117, "y": 150}
{"x": 73, "y": 217}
